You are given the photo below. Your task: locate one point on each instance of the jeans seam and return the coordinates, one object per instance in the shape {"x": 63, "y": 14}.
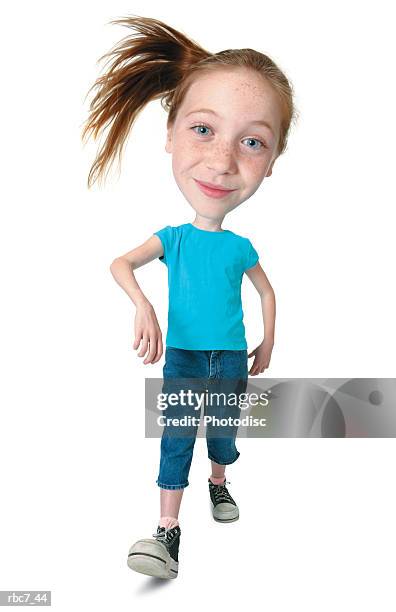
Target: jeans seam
{"x": 228, "y": 463}
{"x": 171, "y": 487}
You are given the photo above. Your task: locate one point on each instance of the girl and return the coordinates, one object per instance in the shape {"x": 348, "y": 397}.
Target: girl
{"x": 229, "y": 114}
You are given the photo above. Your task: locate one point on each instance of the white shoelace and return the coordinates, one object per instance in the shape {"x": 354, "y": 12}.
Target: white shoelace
{"x": 219, "y": 490}
{"x": 162, "y": 535}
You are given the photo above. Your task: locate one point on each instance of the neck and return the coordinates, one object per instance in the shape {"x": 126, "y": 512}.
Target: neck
{"x": 210, "y": 225}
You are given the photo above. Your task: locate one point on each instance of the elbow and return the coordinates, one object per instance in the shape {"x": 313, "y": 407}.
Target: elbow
{"x": 116, "y": 263}
{"x": 113, "y": 264}
{"x": 267, "y": 292}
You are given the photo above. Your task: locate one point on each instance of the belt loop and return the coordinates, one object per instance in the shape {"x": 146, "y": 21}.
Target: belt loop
{"x": 213, "y": 364}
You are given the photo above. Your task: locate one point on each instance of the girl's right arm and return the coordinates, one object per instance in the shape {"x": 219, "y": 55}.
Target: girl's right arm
{"x": 146, "y": 323}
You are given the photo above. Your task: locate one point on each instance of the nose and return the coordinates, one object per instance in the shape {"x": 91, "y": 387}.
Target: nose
{"x": 221, "y": 159}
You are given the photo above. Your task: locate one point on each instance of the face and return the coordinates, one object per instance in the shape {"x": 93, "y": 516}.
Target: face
{"x": 228, "y": 146}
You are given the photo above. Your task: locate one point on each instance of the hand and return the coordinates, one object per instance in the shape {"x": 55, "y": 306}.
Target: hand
{"x": 148, "y": 330}
{"x": 262, "y": 357}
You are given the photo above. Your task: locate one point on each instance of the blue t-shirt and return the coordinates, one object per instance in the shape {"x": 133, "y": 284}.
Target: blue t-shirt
{"x": 205, "y": 272}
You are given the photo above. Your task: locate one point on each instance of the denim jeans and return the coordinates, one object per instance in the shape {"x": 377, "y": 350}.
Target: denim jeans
{"x": 223, "y": 371}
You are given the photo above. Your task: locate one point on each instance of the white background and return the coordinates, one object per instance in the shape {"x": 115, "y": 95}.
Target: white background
{"x": 316, "y": 528}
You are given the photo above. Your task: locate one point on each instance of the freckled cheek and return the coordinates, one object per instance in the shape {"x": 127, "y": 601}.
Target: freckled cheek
{"x": 253, "y": 169}
{"x": 186, "y": 153}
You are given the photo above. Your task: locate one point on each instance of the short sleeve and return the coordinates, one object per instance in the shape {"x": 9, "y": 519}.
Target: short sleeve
{"x": 165, "y": 235}
{"x": 252, "y": 256}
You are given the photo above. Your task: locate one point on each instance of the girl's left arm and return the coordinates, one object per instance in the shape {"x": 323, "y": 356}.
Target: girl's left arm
{"x": 262, "y": 353}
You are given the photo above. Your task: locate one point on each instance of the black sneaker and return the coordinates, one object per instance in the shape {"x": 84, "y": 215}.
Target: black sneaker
{"x": 224, "y": 509}
{"x": 157, "y": 557}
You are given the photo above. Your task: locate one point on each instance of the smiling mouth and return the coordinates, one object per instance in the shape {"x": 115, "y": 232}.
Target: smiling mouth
{"x": 211, "y": 192}
{"x": 214, "y": 187}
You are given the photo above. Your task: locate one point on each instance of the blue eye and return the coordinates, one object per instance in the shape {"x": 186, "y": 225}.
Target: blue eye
{"x": 201, "y": 126}
{"x": 256, "y": 140}
{"x": 204, "y": 127}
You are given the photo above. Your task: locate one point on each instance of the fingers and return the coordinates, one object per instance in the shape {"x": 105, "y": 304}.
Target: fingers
{"x": 159, "y": 350}
{"x": 257, "y": 369}
{"x": 152, "y": 352}
{"x": 144, "y": 347}
{"x": 152, "y": 344}
{"x": 148, "y": 333}
{"x": 137, "y": 341}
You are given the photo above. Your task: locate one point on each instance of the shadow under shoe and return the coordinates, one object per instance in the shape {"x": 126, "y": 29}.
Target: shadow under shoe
{"x": 159, "y": 556}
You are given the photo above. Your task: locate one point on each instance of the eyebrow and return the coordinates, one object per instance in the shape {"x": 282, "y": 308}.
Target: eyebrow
{"x": 254, "y": 122}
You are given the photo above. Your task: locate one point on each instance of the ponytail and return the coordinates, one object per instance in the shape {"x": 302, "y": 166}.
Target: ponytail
{"x": 143, "y": 67}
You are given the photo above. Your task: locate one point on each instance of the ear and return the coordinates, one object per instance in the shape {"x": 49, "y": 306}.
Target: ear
{"x": 269, "y": 171}
{"x": 168, "y": 144}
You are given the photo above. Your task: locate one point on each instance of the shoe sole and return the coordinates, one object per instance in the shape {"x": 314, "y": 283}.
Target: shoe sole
{"x": 151, "y": 558}
{"x": 230, "y": 520}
